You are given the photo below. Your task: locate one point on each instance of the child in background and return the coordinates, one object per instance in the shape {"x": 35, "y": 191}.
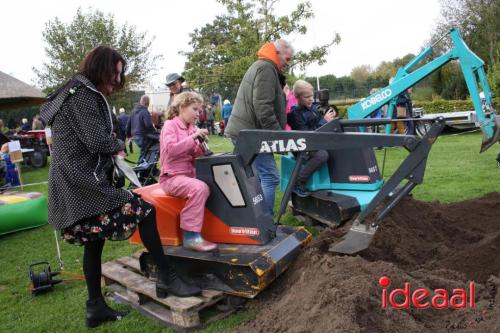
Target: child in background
{"x": 291, "y": 101}
{"x": 179, "y": 146}
{"x": 306, "y": 117}
{"x": 10, "y": 174}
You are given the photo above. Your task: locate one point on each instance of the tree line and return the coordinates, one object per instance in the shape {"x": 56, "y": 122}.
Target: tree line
{"x": 222, "y": 50}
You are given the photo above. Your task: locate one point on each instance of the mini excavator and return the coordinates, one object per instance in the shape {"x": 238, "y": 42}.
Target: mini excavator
{"x": 350, "y": 182}
{"x": 253, "y": 249}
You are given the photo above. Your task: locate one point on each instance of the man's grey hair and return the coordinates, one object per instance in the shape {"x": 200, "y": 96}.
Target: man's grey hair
{"x": 282, "y": 45}
{"x": 144, "y": 100}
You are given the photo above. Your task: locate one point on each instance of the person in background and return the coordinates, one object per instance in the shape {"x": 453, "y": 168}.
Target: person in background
{"x": 210, "y": 119}
{"x": 25, "y": 125}
{"x": 377, "y": 114}
{"x": 140, "y": 124}
{"x": 37, "y": 124}
{"x": 291, "y": 100}
{"x": 227, "y": 109}
{"x": 158, "y": 119}
{"x": 3, "y": 129}
{"x": 306, "y": 117}
{"x": 404, "y": 100}
{"x": 11, "y": 172}
{"x": 174, "y": 83}
{"x": 123, "y": 119}
{"x": 83, "y": 203}
{"x": 179, "y": 146}
{"x": 202, "y": 120}
{"x": 260, "y": 104}
{"x": 405, "y": 103}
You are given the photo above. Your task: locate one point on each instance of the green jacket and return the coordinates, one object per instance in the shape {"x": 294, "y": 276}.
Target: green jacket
{"x": 260, "y": 102}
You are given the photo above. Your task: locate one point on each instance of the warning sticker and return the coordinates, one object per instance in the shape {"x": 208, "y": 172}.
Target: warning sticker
{"x": 359, "y": 179}
{"x": 244, "y": 231}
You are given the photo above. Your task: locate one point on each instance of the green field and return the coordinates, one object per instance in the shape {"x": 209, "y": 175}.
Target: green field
{"x": 455, "y": 171}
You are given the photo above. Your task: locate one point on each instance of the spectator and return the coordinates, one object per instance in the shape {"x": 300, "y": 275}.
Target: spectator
{"x": 123, "y": 119}
{"x": 140, "y": 124}
{"x": 260, "y": 104}
{"x": 291, "y": 100}
{"x": 3, "y": 129}
{"x": 404, "y": 100}
{"x": 37, "y": 123}
{"x": 11, "y": 175}
{"x": 25, "y": 125}
{"x": 306, "y": 117}
{"x": 227, "y": 109}
{"x": 174, "y": 83}
{"x": 157, "y": 118}
{"x": 83, "y": 204}
{"x": 210, "y": 119}
{"x": 203, "y": 117}
{"x": 404, "y": 109}
{"x": 377, "y": 114}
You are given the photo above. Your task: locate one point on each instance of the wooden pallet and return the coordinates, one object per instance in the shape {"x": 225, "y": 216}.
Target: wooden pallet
{"x": 124, "y": 278}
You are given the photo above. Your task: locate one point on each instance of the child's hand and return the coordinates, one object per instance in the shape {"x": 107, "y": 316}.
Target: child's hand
{"x": 201, "y": 133}
{"x": 330, "y": 115}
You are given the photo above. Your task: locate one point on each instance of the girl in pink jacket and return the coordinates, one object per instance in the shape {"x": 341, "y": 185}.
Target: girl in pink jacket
{"x": 179, "y": 146}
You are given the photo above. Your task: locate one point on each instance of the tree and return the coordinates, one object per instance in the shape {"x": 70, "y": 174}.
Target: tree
{"x": 67, "y": 45}
{"x": 360, "y": 74}
{"x": 223, "y": 50}
{"x": 478, "y": 23}
{"x": 494, "y": 76}
{"x": 449, "y": 82}
{"x": 387, "y": 69}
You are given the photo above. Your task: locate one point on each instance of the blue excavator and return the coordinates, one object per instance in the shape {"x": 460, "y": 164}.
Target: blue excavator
{"x": 349, "y": 185}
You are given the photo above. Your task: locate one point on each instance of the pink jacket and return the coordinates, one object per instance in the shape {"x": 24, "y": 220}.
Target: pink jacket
{"x": 291, "y": 100}
{"x": 178, "y": 149}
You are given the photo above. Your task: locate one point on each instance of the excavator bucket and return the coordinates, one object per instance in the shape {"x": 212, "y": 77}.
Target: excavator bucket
{"x": 490, "y": 139}
{"x": 357, "y": 239}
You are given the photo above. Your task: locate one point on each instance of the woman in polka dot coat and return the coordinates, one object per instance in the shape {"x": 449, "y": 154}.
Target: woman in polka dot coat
{"x": 83, "y": 204}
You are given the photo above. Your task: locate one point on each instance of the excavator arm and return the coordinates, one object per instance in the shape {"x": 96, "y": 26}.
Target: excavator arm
{"x": 473, "y": 70}
{"x": 332, "y": 136}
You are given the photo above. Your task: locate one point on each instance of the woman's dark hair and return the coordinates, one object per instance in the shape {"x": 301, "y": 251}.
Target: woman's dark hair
{"x": 99, "y": 66}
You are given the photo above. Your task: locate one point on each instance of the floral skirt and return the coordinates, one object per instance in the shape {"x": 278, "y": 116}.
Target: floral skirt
{"x": 118, "y": 224}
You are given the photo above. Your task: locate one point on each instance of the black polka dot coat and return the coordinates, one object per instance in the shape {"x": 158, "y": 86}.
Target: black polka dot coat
{"x": 82, "y": 149}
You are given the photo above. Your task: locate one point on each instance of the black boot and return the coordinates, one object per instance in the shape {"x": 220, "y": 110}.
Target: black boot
{"x": 170, "y": 283}
{"x": 99, "y": 312}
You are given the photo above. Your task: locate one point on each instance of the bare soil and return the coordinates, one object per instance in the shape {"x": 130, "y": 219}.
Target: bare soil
{"x": 430, "y": 245}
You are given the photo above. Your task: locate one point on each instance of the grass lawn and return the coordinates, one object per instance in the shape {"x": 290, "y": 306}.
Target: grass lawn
{"x": 455, "y": 171}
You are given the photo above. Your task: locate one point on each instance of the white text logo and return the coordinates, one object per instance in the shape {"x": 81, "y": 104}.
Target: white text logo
{"x": 280, "y": 146}
{"x": 375, "y": 99}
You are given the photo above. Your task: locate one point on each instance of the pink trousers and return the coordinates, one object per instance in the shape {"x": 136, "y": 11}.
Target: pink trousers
{"x": 196, "y": 192}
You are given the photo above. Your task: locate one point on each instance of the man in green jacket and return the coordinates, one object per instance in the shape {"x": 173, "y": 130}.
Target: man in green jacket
{"x": 260, "y": 104}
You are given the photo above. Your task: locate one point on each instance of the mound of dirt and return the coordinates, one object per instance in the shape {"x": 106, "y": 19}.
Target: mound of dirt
{"x": 429, "y": 245}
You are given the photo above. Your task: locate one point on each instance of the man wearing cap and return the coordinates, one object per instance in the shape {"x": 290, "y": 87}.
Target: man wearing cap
{"x": 174, "y": 83}
{"x": 260, "y": 104}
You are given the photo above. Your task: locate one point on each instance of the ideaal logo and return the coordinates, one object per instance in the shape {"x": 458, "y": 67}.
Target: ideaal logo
{"x": 422, "y": 298}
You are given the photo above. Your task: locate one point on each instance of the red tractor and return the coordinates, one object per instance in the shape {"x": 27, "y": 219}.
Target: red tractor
{"x": 34, "y": 146}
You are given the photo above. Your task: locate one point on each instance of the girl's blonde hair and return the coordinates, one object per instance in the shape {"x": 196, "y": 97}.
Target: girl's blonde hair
{"x": 301, "y": 87}
{"x": 181, "y": 101}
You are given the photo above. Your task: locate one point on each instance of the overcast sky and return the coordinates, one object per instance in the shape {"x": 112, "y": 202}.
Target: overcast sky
{"x": 371, "y": 31}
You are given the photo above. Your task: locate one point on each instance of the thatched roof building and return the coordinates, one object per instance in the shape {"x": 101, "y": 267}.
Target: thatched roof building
{"x": 15, "y": 93}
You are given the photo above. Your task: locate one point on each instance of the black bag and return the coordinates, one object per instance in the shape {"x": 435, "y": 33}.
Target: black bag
{"x": 115, "y": 175}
